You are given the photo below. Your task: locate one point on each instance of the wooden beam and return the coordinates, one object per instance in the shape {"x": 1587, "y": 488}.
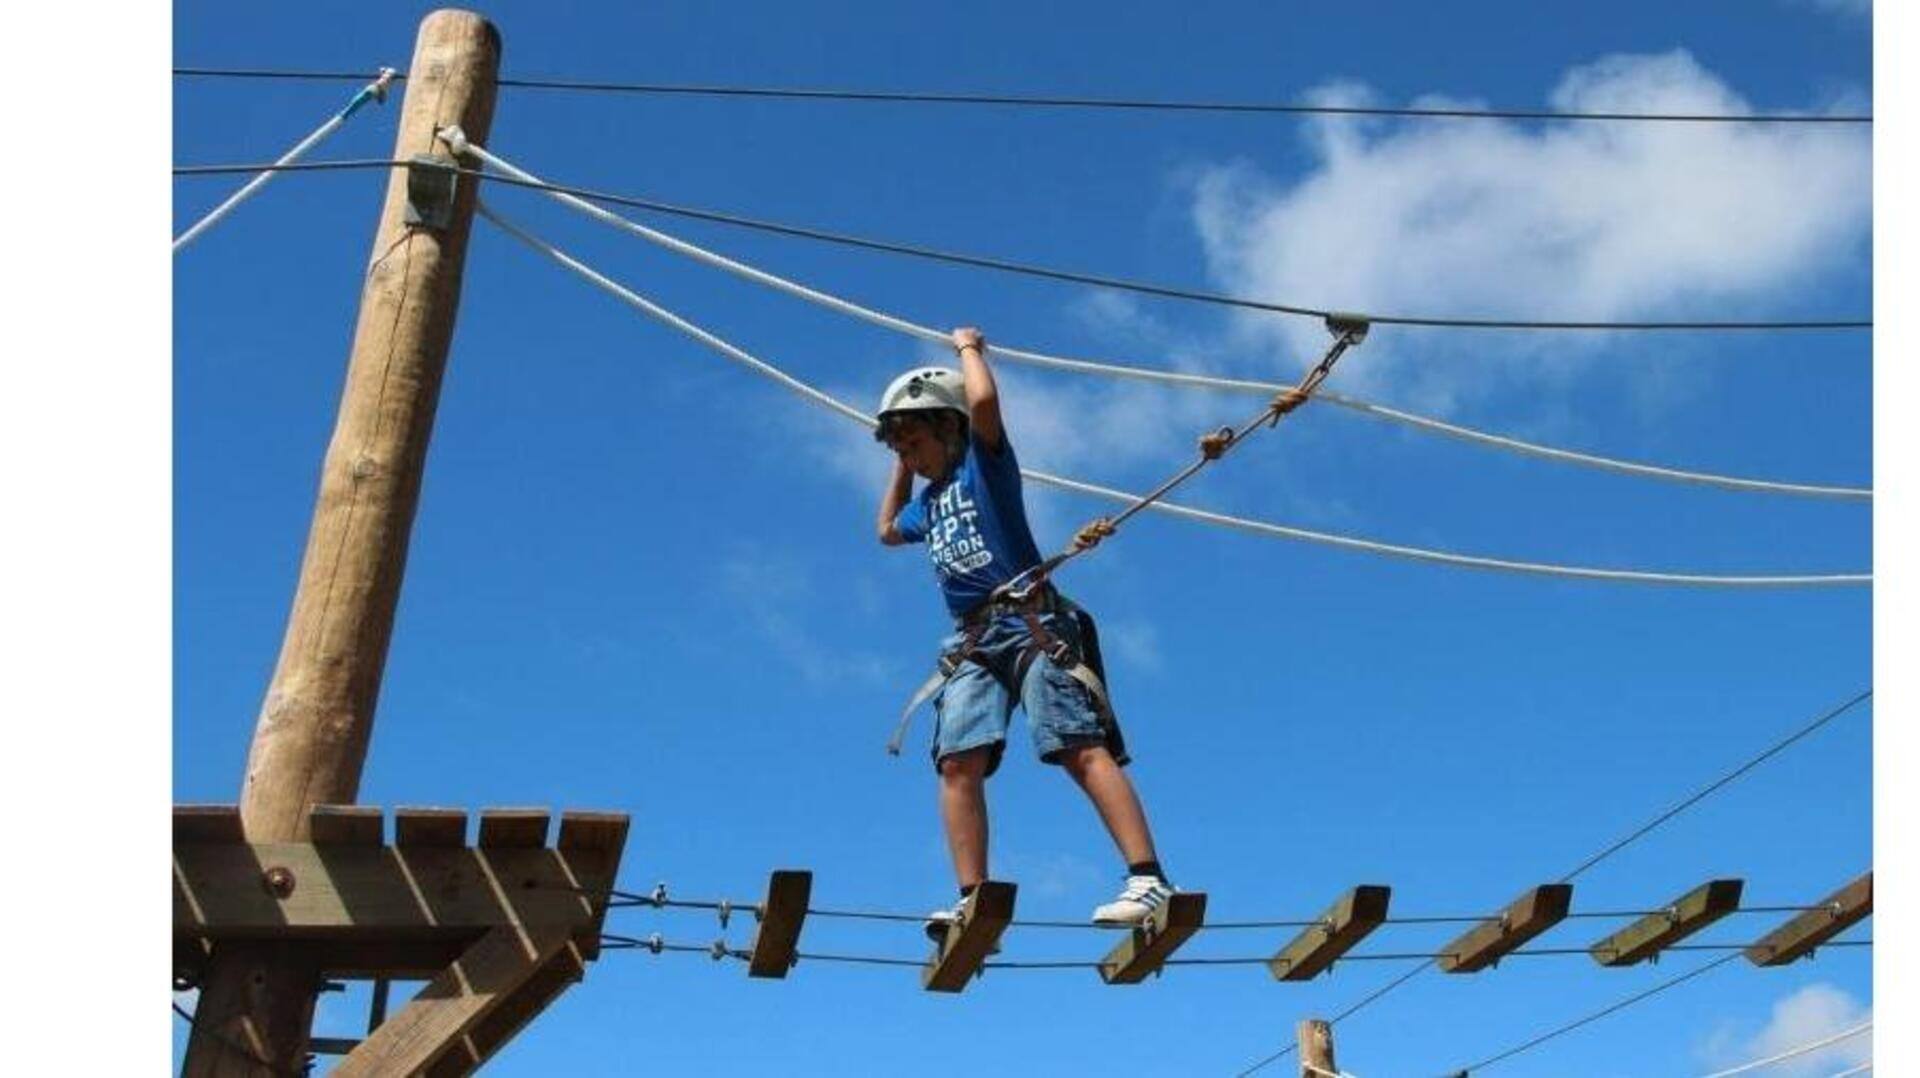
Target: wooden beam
{"x": 466, "y": 1053}
{"x": 413, "y": 826}
{"x": 781, "y": 916}
{"x": 485, "y": 976}
{"x": 1527, "y": 917}
{"x": 346, "y": 825}
{"x": 189, "y": 958}
{"x": 1799, "y": 937}
{"x": 391, "y": 959}
{"x": 359, "y": 892}
{"x": 513, "y": 828}
{"x": 968, "y": 942}
{"x": 1683, "y": 917}
{"x": 1345, "y": 923}
{"x": 1150, "y": 944}
{"x": 206, "y": 823}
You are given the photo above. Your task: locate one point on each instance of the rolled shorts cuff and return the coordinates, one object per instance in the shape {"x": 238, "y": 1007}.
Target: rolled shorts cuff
{"x": 998, "y": 745}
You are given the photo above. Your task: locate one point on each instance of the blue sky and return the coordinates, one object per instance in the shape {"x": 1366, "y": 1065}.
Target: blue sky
{"x": 643, "y": 579}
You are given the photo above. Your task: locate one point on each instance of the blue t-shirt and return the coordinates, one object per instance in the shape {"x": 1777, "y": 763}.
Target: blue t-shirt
{"x": 974, "y": 523}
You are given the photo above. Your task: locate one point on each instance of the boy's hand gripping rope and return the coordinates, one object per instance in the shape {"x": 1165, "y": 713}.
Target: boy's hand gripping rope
{"x": 1347, "y": 330}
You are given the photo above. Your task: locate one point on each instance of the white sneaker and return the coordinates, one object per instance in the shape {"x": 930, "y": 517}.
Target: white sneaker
{"x": 939, "y": 921}
{"x": 1142, "y": 896}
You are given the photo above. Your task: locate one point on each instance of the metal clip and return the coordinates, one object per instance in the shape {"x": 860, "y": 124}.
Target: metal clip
{"x": 1353, "y": 327}
{"x": 726, "y": 911}
{"x": 655, "y": 944}
{"x": 718, "y": 950}
{"x": 659, "y": 896}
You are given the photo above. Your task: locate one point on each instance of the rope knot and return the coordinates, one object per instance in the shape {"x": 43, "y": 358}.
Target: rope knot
{"x": 1089, "y": 536}
{"x": 1287, "y": 400}
{"x": 455, "y": 138}
{"x": 1212, "y": 446}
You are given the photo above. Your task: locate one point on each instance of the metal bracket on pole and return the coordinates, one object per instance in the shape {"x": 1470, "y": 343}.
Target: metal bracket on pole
{"x": 431, "y": 185}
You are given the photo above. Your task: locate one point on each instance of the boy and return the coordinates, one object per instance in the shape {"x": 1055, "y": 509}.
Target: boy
{"x": 945, "y": 427}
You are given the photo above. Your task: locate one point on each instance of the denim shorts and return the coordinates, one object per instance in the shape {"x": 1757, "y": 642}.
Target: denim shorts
{"x": 976, "y": 705}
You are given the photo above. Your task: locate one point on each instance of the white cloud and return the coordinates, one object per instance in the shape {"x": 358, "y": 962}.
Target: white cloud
{"x": 1134, "y": 643}
{"x": 1562, "y": 221}
{"x": 776, "y": 594}
{"x": 1813, "y": 1013}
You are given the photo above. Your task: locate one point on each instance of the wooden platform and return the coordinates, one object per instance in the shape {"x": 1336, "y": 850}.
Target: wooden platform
{"x": 498, "y": 926}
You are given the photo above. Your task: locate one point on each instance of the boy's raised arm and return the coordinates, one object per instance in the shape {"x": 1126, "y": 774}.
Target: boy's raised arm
{"x": 983, "y": 396}
{"x": 899, "y": 489}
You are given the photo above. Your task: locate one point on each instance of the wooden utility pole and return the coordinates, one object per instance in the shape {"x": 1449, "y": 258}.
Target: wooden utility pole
{"x": 1316, "y": 1049}
{"x": 256, "y": 1002}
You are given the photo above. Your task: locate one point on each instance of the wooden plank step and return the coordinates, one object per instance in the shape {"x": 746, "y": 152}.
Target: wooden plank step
{"x": 207, "y": 823}
{"x": 1655, "y": 932}
{"x": 1527, "y": 917}
{"x": 781, "y": 917}
{"x": 346, "y": 825}
{"x": 513, "y": 828}
{"x": 1799, "y": 937}
{"x": 1149, "y": 945}
{"x": 592, "y": 844}
{"x": 1345, "y": 923}
{"x": 429, "y": 827}
{"x": 983, "y": 917}
{"x": 605, "y": 831}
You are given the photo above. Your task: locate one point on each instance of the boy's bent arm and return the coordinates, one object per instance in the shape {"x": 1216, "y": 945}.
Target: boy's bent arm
{"x": 983, "y": 395}
{"x": 899, "y": 489}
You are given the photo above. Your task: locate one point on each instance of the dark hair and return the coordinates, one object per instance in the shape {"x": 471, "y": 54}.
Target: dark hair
{"x": 893, "y": 423}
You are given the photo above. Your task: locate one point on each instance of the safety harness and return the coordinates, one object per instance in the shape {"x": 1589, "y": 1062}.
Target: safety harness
{"x": 1029, "y": 605}
{"x": 1029, "y": 594}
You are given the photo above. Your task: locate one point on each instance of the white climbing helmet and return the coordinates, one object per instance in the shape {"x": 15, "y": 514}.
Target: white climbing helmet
{"x": 925, "y": 389}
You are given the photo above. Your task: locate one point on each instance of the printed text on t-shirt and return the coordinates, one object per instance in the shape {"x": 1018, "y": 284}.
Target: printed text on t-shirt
{"x": 954, "y": 542}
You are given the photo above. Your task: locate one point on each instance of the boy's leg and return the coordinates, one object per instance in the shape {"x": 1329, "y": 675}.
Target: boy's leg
{"x": 1113, "y": 796}
{"x": 963, "y": 809}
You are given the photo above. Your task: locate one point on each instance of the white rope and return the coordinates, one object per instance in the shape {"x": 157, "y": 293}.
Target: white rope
{"x": 1257, "y": 526}
{"x": 375, "y": 90}
{"x": 1323, "y": 1072}
{"x": 1850, "y": 1071}
{"x": 654, "y": 310}
{"x": 1790, "y": 1053}
{"x": 1198, "y": 381}
{"x": 1472, "y": 561}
